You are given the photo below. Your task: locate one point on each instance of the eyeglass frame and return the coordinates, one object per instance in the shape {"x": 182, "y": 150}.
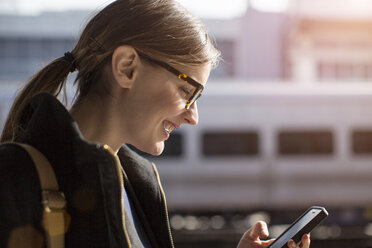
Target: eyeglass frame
{"x": 198, "y": 87}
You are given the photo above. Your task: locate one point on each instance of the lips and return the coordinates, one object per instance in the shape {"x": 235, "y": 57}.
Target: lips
{"x": 168, "y": 126}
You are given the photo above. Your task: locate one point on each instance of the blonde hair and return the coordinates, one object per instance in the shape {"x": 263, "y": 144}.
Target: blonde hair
{"x": 159, "y": 29}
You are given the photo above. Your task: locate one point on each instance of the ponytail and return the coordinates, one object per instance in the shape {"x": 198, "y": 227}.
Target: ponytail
{"x": 51, "y": 79}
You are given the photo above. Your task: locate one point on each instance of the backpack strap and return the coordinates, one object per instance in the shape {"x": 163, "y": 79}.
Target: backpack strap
{"x": 53, "y": 200}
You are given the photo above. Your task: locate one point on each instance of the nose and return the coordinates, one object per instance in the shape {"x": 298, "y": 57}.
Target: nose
{"x": 191, "y": 115}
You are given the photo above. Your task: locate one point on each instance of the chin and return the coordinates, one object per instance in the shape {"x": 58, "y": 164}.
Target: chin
{"x": 158, "y": 149}
{"x": 154, "y": 150}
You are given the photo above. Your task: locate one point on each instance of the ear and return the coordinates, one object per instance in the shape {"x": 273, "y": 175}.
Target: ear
{"x": 125, "y": 61}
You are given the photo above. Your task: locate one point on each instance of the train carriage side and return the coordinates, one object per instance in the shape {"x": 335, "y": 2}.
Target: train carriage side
{"x": 270, "y": 146}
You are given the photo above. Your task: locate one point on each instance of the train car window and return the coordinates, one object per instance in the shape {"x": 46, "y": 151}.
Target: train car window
{"x": 362, "y": 142}
{"x": 305, "y": 143}
{"x": 173, "y": 147}
{"x": 230, "y": 143}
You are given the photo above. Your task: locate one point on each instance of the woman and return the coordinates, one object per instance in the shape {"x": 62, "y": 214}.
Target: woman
{"x": 141, "y": 66}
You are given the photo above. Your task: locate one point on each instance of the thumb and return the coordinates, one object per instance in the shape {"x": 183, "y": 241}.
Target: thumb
{"x": 252, "y": 237}
{"x": 258, "y": 231}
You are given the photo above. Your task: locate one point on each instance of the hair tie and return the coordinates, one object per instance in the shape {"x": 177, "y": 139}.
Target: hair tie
{"x": 70, "y": 59}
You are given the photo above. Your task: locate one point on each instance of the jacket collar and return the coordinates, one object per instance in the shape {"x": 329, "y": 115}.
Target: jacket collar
{"x": 147, "y": 191}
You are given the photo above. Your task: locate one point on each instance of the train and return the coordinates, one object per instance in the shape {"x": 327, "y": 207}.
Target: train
{"x": 273, "y": 145}
{"x": 268, "y": 151}
{"x": 269, "y": 148}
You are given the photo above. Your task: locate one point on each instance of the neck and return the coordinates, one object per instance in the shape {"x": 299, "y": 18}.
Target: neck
{"x": 96, "y": 121}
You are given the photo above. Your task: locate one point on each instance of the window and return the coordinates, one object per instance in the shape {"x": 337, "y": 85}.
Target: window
{"x": 305, "y": 143}
{"x": 362, "y": 142}
{"x": 344, "y": 71}
{"x": 232, "y": 143}
{"x": 174, "y": 145}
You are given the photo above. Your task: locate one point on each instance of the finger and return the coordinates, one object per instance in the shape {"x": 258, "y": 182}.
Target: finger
{"x": 305, "y": 241}
{"x": 292, "y": 244}
{"x": 258, "y": 230}
{"x": 252, "y": 238}
{"x": 267, "y": 243}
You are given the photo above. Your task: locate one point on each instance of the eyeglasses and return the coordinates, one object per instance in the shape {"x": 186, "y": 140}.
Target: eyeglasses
{"x": 194, "y": 95}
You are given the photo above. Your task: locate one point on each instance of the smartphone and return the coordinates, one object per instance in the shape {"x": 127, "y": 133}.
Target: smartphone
{"x": 304, "y": 224}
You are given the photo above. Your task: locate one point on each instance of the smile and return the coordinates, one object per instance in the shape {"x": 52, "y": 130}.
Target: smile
{"x": 169, "y": 127}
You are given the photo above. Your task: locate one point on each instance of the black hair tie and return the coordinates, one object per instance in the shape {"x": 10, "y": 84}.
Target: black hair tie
{"x": 70, "y": 59}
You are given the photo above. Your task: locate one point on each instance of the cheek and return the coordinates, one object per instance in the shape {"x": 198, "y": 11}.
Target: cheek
{"x": 170, "y": 101}
{"x": 175, "y": 103}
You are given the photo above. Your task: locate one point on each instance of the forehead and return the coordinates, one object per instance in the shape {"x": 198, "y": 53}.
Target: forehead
{"x": 199, "y": 73}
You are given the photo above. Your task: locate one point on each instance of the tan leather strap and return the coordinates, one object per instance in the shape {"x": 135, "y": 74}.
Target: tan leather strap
{"x": 53, "y": 200}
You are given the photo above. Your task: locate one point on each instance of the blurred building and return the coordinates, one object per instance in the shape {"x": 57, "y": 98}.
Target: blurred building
{"x": 337, "y": 50}
{"x": 29, "y": 42}
{"x": 298, "y": 45}
{"x": 326, "y": 43}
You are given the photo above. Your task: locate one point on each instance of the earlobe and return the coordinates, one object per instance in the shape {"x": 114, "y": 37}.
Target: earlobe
{"x": 124, "y": 65}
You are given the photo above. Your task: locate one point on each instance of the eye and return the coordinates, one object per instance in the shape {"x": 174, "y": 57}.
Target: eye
{"x": 185, "y": 91}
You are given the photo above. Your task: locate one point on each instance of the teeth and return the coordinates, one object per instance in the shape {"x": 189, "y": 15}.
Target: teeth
{"x": 168, "y": 128}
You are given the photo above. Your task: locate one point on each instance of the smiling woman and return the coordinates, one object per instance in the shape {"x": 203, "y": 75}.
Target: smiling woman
{"x": 141, "y": 65}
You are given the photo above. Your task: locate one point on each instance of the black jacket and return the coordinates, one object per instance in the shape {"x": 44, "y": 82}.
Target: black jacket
{"x": 88, "y": 175}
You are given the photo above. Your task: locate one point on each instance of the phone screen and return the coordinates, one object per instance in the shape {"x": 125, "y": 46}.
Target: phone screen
{"x": 311, "y": 218}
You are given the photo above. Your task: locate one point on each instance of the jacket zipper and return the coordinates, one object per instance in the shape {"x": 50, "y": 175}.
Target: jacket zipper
{"x": 165, "y": 204}
{"x": 121, "y": 182}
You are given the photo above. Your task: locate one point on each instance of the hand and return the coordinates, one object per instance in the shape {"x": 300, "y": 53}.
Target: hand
{"x": 304, "y": 243}
{"x": 252, "y": 238}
